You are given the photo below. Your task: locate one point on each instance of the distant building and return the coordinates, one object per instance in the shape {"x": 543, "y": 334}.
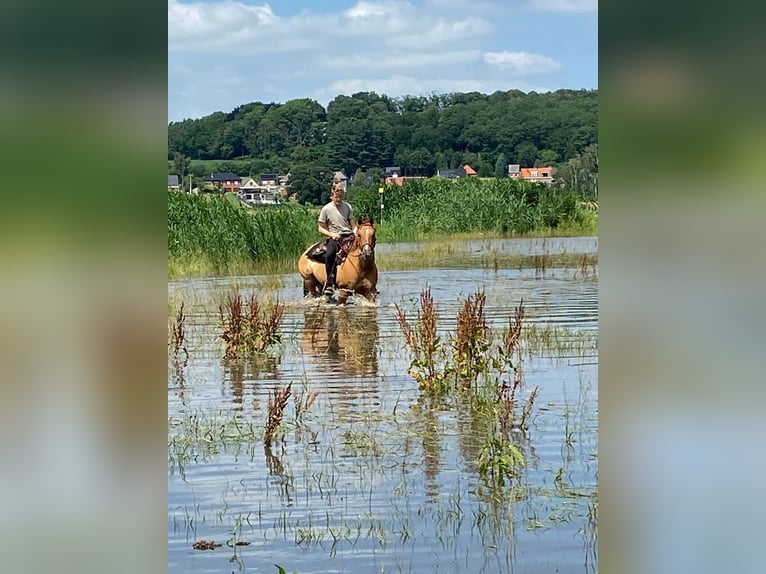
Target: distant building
{"x": 400, "y": 179}
{"x": 464, "y": 170}
{"x": 538, "y": 174}
{"x": 225, "y": 181}
{"x": 255, "y": 193}
{"x": 268, "y": 179}
{"x": 534, "y": 174}
{"x": 173, "y": 183}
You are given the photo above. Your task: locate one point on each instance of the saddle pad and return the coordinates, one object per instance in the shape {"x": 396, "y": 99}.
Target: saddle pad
{"x": 317, "y": 252}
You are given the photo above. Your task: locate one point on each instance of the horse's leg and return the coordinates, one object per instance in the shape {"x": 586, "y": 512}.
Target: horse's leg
{"x": 369, "y": 294}
{"x": 306, "y": 287}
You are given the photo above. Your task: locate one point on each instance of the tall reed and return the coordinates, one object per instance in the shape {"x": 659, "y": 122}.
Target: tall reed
{"x": 218, "y": 236}
{"x": 438, "y": 206}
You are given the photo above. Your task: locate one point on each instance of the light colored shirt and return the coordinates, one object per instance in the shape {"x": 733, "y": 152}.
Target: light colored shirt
{"x": 337, "y": 218}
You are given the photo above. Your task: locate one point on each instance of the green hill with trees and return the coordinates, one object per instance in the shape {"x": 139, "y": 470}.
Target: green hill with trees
{"x": 363, "y": 133}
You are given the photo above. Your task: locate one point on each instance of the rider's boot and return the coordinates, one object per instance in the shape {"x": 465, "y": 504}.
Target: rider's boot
{"x": 330, "y": 285}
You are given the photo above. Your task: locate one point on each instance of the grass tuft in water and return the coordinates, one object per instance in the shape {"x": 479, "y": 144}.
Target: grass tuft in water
{"x": 277, "y": 403}
{"x": 249, "y": 330}
{"x": 424, "y": 342}
{"x": 178, "y": 333}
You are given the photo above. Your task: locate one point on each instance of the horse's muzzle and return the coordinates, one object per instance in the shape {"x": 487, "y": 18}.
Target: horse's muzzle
{"x": 368, "y": 254}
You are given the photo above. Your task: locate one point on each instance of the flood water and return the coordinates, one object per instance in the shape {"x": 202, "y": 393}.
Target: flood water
{"x": 377, "y": 476}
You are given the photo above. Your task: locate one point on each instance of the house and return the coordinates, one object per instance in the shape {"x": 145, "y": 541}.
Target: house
{"x": 255, "y": 193}
{"x": 464, "y": 170}
{"x": 173, "y": 183}
{"x": 339, "y": 179}
{"x": 283, "y": 182}
{"x": 269, "y": 179}
{"x": 393, "y": 176}
{"x": 538, "y": 174}
{"x": 225, "y": 181}
{"x": 534, "y": 174}
{"x": 399, "y": 180}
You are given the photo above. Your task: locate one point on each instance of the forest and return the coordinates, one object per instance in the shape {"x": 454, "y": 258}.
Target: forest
{"x": 363, "y": 133}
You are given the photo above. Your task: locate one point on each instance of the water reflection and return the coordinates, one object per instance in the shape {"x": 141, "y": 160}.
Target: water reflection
{"x": 342, "y": 339}
{"x": 377, "y": 475}
{"x": 238, "y": 372}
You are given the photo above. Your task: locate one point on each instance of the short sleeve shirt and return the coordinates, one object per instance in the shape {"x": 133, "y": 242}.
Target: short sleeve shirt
{"x": 337, "y": 218}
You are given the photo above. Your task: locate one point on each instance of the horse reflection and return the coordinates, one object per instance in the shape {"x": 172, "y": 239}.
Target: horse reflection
{"x": 240, "y": 371}
{"x": 343, "y": 340}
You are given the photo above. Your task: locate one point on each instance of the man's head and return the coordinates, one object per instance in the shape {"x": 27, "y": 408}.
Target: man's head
{"x": 337, "y": 195}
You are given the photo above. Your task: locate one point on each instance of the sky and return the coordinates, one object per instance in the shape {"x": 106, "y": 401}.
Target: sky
{"x": 226, "y": 53}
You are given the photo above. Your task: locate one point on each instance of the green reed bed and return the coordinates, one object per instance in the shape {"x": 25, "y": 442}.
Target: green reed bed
{"x": 211, "y": 235}
{"x": 439, "y": 207}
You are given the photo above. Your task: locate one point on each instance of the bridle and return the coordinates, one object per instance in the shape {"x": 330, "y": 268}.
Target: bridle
{"x": 366, "y": 249}
{"x": 359, "y": 236}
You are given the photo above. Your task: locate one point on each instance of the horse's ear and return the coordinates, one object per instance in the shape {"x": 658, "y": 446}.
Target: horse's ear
{"x": 371, "y": 220}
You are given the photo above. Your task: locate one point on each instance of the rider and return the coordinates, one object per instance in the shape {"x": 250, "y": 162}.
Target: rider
{"x": 335, "y": 219}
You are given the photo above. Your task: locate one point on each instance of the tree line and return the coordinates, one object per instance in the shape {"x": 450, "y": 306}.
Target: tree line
{"x": 363, "y": 133}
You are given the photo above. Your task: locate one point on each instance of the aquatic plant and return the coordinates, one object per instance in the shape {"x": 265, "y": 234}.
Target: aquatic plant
{"x": 276, "y": 409}
{"x": 470, "y": 345}
{"x": 424, "y": 342}
{"x": 249, "y": 330}
{"x": 178, "y": 333}
{"x": 498, "y": 460}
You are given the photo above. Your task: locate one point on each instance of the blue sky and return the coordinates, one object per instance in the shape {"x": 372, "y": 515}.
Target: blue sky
{"x": 222, "y": 54}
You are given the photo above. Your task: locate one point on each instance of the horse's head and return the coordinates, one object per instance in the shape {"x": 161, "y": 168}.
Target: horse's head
{"x": 365, "y": 237}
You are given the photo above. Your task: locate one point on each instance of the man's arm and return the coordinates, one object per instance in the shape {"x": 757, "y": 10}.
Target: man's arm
{"x": 324, "y": 230}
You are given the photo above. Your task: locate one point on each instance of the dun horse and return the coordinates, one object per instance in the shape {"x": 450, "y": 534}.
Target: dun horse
{"x": 356, "y": 274}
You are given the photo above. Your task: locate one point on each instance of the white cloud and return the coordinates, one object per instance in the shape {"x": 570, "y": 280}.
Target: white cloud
{"x": 200, "y": 19}
{"x": 242, "y": 29}
{"x": 369, "y": 10}
{"x": 565, "y": 5}
{"x": 400, "y": 60}
{"x": 522, "y": 63}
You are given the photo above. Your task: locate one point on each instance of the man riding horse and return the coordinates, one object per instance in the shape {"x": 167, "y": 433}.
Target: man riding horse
{"x": 336, "y": 220}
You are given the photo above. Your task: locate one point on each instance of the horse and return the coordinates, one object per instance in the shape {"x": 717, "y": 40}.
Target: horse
{"x": 357, "y": 273}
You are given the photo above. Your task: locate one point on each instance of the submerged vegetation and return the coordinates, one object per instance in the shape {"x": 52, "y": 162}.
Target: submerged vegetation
{"x": 210, "y": 235}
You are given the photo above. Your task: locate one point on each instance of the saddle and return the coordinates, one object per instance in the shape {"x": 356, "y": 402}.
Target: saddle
{"x": 318, "y": 251}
